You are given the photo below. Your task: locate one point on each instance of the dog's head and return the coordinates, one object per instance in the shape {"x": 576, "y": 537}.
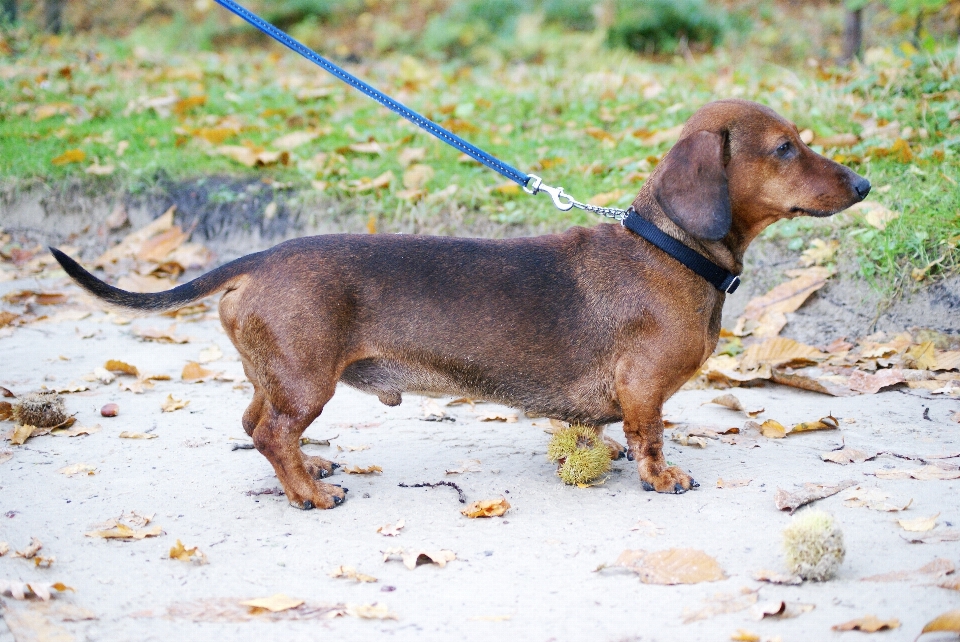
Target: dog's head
{"x": 739, "y": 166}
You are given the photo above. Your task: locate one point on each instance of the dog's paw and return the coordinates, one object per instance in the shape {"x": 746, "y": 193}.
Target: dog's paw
{"x": 323, "y": 496}
{"x": 670, "y": 480}
{"x": 318, "y": 467}
{"x": 616, "y": 449}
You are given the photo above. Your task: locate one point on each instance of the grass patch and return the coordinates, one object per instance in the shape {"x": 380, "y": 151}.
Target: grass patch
{"x": 592, "y": 119}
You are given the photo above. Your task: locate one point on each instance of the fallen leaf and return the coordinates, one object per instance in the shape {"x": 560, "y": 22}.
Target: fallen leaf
{"x": 814, "y": 379}
{"x": 413, "y": 558}
{"x": 811, "y": 492}
{"x": 146, "y": 284}
{"x": 510, "y": 418}
{"x": 137, "y": 435}
{"x": 122, "y": 531}
{"x": 777, "y": 578}
{"x": 370, "y": 611}
{"x": 357, "y": 470}
{"x": 160, "y": 336}
{"x": 353, "y": 449}
{"x": 487, "y": 508}
{"x": 819, "y": 252}
{"x": 874, "y": 499}
{"x": 646, "y": 527}
{"x": 824, "y": 423}
{"x": 733, "y": 403}
{"x": 780, "y": 609}
{"x": 921, "y": 357}
{"x": 939, "y": 567}
{"x": 19, "y": 590}
{"x": 779, "y": 351}
{"x": 76, "y": 469}
{"x": 920, "y": 524}
{"x": 113, "y": 365}
{"x": 466, "y": 466}
{"x": 743, "y": 635}
{"x": 950, "y": 583}
{"x": 170, "y": 404}
{"x": 773, "y": 429}
{"x": 293, "y": 140}
{"x": 925, "y": 473}
{"x": 945, "y": 360}
{"x": 208, "y": 355}
{"x": 5, "y": 455}
{"x": 769, "y": 310}
{"x": 21, "y": 433}
{"x": 875, "y": 214}
{"x": 70, "y": 156}
{"x": 274, "y": 603}
{"x": 31, "y": 550}
{"x": 869, "y": 384}
{"x": 76, "y": 432}
{"x": 410, "y": 155}
{"x": 194, "y": 372}
{"x": 156, "y": 248}
{"x": 417, "y": 176}
{"x": 184, "y": 554}
{"x": 672, "y": 566}
{"x": 685, "y": 439}
{"x": 391, "y": 530}
{"x": 933, "y": 537}
{"x": 720, "y": 604}
{"x": 847, "y": 455}
{"x": 432, "y": 410}
{"x": 732, "y": 483}
{"x": 351, "y": 573}
{"x": 253, "y": 157}
{"x": 949, "y": 622}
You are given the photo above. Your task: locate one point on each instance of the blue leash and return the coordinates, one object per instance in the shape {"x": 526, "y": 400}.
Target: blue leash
{"x": 531, "y": 183}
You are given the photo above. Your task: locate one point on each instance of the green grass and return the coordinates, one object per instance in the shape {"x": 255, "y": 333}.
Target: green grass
{"x": 579, "y": 118}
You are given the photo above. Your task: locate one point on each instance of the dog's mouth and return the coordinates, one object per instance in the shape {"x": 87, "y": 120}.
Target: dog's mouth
{"x": 810, "y": 212}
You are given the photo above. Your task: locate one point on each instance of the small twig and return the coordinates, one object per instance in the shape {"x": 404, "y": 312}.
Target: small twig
{"x": 308, "y": 441}
{"x": 241, "y": 447}
{"x": 463, "y": 498}
{"x": 265, "y": 491}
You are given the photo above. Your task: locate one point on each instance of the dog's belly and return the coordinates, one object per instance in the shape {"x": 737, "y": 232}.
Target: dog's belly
{"x": 590, "y": 404}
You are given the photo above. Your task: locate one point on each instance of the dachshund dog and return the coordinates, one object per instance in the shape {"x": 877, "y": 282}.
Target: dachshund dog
{"x": 590, "y": 326}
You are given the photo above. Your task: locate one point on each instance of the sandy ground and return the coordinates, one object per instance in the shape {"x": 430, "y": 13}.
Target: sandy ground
{"x": 528, "y": 575}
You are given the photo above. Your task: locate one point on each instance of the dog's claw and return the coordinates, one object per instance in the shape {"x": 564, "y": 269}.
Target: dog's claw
{"x": 334, "y": 465}
{"x": 647, "y": 486}
{"x": 679, "y": 489}
{"x": 694, "y": 483}
{"x": 629, "y": 456}
{"x": 308, "y": 505}
{"x": 337, "y": 500}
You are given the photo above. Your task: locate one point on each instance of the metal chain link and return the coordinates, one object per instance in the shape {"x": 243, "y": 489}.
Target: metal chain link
{"x": 535, "y": 186}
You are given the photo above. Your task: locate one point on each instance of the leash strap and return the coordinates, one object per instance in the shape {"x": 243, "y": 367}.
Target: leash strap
{"x": 713, "y": 273}
{"x": 424, "y": 123}
{"x": 532, "y": 184}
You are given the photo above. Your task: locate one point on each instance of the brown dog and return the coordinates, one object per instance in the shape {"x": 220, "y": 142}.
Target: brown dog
{"x": 591, "y": 326}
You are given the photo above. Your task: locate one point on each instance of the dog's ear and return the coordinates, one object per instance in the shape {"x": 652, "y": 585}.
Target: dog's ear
{"x": 691, "y": 186}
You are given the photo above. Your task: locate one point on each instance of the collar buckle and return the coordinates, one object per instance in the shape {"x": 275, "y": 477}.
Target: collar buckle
{"x": 732, "y": 285}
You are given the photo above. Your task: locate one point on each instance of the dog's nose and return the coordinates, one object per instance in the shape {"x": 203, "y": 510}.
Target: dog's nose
{"x": 862, "y": 186}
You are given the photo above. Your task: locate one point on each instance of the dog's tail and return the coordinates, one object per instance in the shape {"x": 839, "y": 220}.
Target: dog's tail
{"x": 210, "y": 283}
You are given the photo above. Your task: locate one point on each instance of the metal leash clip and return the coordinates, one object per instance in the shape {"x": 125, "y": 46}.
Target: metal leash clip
{"x": 535, "y": 185}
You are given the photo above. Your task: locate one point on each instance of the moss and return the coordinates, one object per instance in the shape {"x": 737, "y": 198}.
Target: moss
{"x": 580, "y": 454}
{"x": 40, "y": 409}
{"x": 813, "y": 546}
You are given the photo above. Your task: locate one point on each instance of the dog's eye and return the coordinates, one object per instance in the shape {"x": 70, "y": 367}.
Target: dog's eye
{"x": 784, "y": 149}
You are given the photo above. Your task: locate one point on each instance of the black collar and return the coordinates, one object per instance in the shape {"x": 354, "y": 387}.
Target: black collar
{"x": 716, "y": 275}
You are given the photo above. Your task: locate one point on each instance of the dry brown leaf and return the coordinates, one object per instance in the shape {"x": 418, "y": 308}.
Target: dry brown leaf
{"x": 184, "y": 554}
{"x": 417, "y": 176}
{"x": 722, "y": 603}
{"x": 144, "y": 283}
{"x": 867, "y": 624}
{"x": 196, "y": 373}
{"x": 813, "y": 379}
{"x": 156, "y": 248}
{"x": 945, "y": 360}
{"x": 874, "y": 499}
{"x": 31, "y": 550}
{"x": 810, "y": 493}
{"x": 357, "y": 470}
{"x": 114, "y": 365}
{"x": 919, "y": 524}
{"x": 875, "y": 214}
{"x": 413, "y": 558}
{"x": 411, "y": 155}
{"x": 847, "y": 455}
{"x": 939, "y": 567}
{"x": 647, "y": 528}
{"x": 21, "y": 433}
{"x": 76, "y": 469}
{"x": 780, "y": 609}
{"x": 253, "y": 157}
{"x": 779, "y": 351}
{"x": 947, "y": 622}
{"x": 925, "y": 473}
{"x": 466, "y": 466}
{"x": 76, "y": 432}
{"x": 819, "y": 252}
{"x": 160, "y": 336}
{"x": 122, "y": 531}
{"x": 686, "y": 439}
{"x": 487, "y": 508}
{"x": 274, "y": 603}
{"x": 131, "y": 244}
{"x": 869, "y": 384}
{"x": 733, "y": 483}
{"x": 672, "y": 566}
{"x": 824, "y": 423}
{"x": 784, "y": 298}
{"x": 170, "y": 404}
{"x": 510, "y": 418}
{"x": 351, "y": 573}
{"x": 921, "y": 357}
{"x": 391, "y": 530}
{"x": 777, "y": 578}
{"x": 126, "y": 434}
{"x": 20, "y": 590}
{"x": 950, "y": 583}
{"x": 293, "y": 140}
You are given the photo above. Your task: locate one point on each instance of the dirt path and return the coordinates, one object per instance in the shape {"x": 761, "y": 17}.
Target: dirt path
{"x": 528, "y": 575}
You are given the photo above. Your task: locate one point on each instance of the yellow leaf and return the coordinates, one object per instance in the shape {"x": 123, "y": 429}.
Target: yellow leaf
{"x": 391, "y": 530}
{"x": 274, "y": 603}
{"x": 773, "y": 429}
{"x": 920, "y": 524}
{"x": 825, "y": 423}
{"x": 487, "y": 508}
{"x": 70, "y": 156}
{"x": 370, "y": 611}
{"x": 875, "y": 214}
{"x": 949, "y": 621}
{"x": 672, "y": 566}
{"x": 171, "y": 404}
{"x": 193, "y": 371}
{"x": 922, "y": 357}
{"x": 184, "y": 105}
{"x": 509, "y": 188}
{"x": 184, "y": 554}
{"x": 357, "y": 470}
{"x": 779, "y": 351}
{"x": 744, "y": 636}
{"x": 867, "y": 624}
{"x": 819, "y": 252}
{"x": 21, "y": 433}
{"x": 122, "y": 531}
{"x": 351, "y": 573}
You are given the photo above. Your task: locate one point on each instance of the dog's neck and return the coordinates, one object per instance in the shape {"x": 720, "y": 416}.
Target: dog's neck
{"x": 727, "y": 252}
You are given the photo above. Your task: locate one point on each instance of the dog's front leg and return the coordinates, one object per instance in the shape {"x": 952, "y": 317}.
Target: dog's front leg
{"x": 641, "y": 399}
